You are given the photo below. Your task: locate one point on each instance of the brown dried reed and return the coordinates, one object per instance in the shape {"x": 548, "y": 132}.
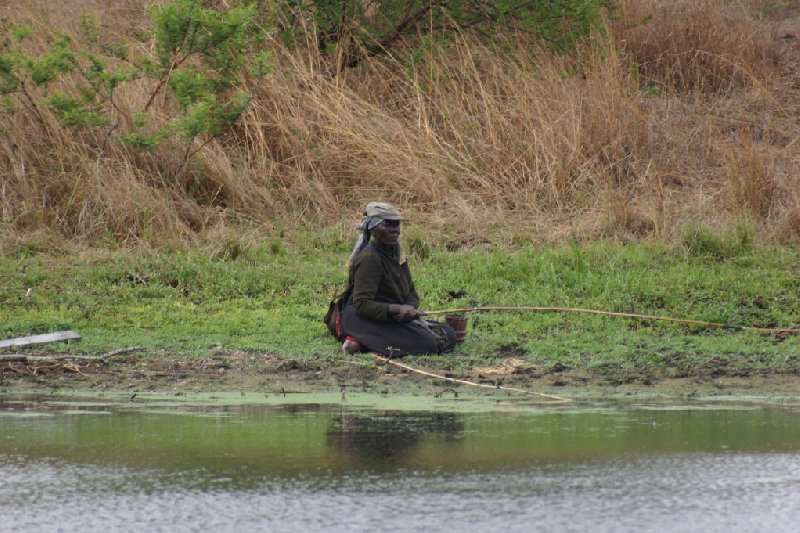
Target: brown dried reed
{"x": 681, "y": 115}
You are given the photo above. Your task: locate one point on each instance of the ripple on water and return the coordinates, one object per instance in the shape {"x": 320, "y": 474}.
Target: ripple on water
{"x": 691, "y": 492}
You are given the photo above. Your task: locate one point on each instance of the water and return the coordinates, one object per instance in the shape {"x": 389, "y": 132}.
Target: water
{"x": 332, "y": 466}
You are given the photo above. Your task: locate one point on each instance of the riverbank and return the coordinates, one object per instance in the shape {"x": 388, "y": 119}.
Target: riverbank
{"x": 267, "y": 374}
{"x": 252, "y": 319}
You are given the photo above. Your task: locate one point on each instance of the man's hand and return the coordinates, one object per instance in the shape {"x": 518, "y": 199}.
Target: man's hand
{"x": 403, "y": 313}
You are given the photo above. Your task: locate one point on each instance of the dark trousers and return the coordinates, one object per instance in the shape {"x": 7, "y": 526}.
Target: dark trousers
{"x": 390, "y": 338}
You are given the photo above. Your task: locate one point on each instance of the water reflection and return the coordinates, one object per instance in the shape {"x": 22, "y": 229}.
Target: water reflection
{"x": 337, "y": 439}
{"x": 390, "y": 436}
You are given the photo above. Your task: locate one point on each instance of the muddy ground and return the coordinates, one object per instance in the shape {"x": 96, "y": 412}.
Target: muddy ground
{"x": 229, "y": 370}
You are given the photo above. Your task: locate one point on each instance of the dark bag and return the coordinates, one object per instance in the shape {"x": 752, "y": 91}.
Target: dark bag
{"x": 445, "y": 335}
{"x": 333, "y": 318}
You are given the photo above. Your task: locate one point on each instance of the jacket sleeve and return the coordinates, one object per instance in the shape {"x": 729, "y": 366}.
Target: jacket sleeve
{"x": 413, "y": 297}
{"x": 367, "y": 273}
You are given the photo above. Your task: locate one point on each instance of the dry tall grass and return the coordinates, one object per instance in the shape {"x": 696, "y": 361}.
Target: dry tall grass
{"x": 684, "y": 115}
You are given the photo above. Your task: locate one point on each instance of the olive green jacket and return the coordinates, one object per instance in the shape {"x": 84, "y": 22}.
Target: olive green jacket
{"x": 378, "y": 280}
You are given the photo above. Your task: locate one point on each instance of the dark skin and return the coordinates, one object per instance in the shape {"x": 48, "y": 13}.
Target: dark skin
{"x": 387, "y": 233}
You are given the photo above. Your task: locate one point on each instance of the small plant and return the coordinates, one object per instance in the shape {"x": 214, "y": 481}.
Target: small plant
{"x": 701, "y": 241}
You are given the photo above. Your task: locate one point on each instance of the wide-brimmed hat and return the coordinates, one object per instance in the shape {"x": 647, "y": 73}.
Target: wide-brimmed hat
{"x": 384, "y": 211}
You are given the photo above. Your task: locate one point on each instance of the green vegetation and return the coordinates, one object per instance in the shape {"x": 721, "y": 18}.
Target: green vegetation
{"x": 264, "y": 297}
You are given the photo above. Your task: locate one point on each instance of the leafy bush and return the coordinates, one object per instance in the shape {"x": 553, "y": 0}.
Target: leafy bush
{"x": 352, "y": 30}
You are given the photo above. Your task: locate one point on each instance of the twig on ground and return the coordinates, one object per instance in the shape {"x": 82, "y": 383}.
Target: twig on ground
{"x": 555, "y": 399}
{"x": 121, "y": 351}
{"x": 21, "y": 358}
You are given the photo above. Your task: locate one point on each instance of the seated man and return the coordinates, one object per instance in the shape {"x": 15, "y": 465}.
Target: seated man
{"x": 382, "y": 313}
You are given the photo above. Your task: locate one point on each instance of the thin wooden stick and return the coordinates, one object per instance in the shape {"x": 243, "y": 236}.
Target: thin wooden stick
{"x": 610, "y": 313}
{"x": 120, "y": 351}
{"x": 20, "y": 358}
{"x": 556, "y": 399}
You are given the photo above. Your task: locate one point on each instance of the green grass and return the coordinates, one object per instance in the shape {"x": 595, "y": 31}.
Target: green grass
{"x": 272, "y": 296}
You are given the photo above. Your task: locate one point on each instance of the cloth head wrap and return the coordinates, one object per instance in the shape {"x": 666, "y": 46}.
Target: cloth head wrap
{"x": 375, "y": 213}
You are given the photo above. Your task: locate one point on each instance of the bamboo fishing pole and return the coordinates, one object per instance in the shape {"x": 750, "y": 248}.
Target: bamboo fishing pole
{"x": 543, "y": 309}
{"x": 608, "y": 313}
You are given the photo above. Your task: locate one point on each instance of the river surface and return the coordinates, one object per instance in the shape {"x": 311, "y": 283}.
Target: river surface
{"x": 323, "y": 464}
